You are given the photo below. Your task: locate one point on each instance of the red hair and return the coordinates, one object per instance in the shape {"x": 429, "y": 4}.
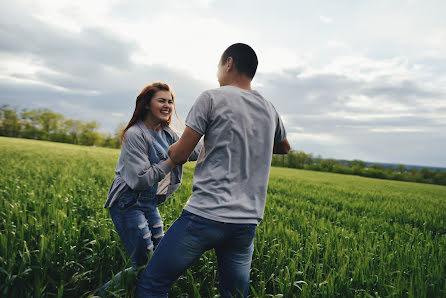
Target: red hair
{"x": 143, "y": 100}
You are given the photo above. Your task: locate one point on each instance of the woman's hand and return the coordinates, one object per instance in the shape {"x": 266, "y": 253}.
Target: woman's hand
{"x": 171, "y": 148}
{"x": 180, "y": 151}
{"x": 171, "y": 163}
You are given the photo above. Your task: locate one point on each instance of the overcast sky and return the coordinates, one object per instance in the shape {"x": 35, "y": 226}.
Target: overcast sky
{"x": 351, "y": 79}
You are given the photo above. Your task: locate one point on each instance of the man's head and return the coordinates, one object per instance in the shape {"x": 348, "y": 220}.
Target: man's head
{"x": 240, "y": 58}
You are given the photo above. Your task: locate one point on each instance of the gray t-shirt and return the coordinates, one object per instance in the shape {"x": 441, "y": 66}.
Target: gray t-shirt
{"x": 240, "y": 128}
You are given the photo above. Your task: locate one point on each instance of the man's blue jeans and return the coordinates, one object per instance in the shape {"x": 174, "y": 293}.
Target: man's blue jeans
{"x": 186, "y": 240}
{"x": 139, "y": 226}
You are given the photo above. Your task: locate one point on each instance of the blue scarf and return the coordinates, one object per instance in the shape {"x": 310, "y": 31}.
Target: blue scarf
{"x": 160, "y": 144}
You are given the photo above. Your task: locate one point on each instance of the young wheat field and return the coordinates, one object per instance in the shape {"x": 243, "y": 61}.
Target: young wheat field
{"x": 323, "y": 234}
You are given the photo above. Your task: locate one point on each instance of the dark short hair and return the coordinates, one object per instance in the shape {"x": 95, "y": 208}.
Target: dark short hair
{"x": 244, "y": 58}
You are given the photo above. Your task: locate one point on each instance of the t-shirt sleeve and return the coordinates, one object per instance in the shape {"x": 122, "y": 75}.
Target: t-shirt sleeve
{"x": 280, "y": 133}
{"x": 199, "y": 115}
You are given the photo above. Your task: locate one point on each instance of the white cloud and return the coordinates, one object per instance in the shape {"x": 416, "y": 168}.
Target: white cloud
{"x": 276, "y": 59}
{"x": 338, "y": 44}
{"x": 399, "y": 129}
{"x": 315, "y": 137}
{"x": 326, "y": 20}
{"x": 373, "y": 78}
{"x": 367, "y": 117}
{"x": 393, "y": 70}
{"x": 376, "y": 103}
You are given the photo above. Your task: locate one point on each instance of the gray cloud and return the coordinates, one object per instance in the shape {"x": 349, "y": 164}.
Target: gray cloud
{"x": 320, "y": 120}
{"x": 90, "y": 76}
{"x": 87, "y": 76}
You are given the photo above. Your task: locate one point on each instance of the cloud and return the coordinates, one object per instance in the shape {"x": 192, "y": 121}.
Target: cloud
{"x": 87, "y": 75}
{"x": 340, "y": 93}
{"x": 355, "y": 111}
{"x": 326, "y": 20}
{"x": 399, "y": 129}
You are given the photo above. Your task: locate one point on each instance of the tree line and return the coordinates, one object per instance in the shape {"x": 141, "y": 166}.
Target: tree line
{"x": 44, "y": 124}
{"x": 302, "y": 160}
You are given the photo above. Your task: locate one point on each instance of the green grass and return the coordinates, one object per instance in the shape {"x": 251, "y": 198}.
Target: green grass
{"x": 323, "y": 234}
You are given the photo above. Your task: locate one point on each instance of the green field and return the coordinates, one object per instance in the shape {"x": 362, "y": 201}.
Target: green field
{"x": 323, "y": 234}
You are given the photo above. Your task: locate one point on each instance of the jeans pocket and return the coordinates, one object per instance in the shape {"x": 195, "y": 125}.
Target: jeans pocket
{"x": 250, "y": 231}
{"x": 127, "y": 200}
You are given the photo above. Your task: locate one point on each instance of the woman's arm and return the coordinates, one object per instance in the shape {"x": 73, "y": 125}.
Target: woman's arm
{"x": 138, "y": 172}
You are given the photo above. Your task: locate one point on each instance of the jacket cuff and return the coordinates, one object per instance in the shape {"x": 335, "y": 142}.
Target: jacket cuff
{"x": 164, "y": 167}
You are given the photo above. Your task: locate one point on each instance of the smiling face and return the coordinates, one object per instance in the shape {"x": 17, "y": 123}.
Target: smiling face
{"x": 161, "y": 106}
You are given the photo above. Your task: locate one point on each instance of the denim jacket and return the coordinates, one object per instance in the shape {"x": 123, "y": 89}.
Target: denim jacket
{"x": 135, "y": 172}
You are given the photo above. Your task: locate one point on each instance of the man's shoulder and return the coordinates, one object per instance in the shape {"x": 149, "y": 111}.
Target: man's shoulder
{"x": 228, "y": 92}
{"x": 222, "y": 90}
{"x": 211, "y": 93}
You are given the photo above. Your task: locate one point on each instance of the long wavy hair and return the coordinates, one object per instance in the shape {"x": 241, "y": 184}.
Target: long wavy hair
{"x": 144, "y": 99}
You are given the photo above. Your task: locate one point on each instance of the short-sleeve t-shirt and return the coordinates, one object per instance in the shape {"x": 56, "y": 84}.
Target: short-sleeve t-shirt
{"x": 240, "y": 128}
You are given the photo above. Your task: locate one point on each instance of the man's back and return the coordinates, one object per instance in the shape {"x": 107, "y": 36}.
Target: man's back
{"x": 241, "y": 131}
{"x": 231, "y": 175}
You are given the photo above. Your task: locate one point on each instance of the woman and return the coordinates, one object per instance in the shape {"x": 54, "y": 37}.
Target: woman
{"x": 144, "y": 175}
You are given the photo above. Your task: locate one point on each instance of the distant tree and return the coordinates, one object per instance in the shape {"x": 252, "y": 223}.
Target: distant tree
{"x": 50, "y": 122}
{"x": 73, "y": 130}
{"x": 10, "y": 122}
{"x": 357, "y": 163}
{"x": 328, "y": 164}
{"x": 357, "y": 166}
{"x": 302, "y": 159}
{"x": 427, "y": 175}
{"x": 401, "y": 168}
{"x": 414, "y": 175}
{"x": 310, "y": 160}
{"x": 88, "y": 136}
{"x": 31, "y": 125}
{"x": 42, "y": 124}
{"x": 377, "y": 167}
{"x": 439, "y": 178}
{"x": 117, "y": 134}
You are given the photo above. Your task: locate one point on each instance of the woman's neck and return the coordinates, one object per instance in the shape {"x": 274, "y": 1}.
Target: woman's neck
{"x": 152, "y": 124}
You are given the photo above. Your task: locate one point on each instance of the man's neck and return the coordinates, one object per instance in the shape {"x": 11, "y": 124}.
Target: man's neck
{"x": 242, "y": 86}
{"x": 241, "y": 82}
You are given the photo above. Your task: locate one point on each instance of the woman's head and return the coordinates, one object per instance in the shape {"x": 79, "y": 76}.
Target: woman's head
{"x": 156, "y": 101}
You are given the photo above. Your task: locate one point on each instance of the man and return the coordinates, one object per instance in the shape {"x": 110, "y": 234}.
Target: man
{"x": 241, "y": 132}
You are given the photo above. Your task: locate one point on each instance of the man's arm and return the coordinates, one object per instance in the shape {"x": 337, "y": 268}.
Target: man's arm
{"x": 281, "y": 148}
{"x": 180, "y": 151}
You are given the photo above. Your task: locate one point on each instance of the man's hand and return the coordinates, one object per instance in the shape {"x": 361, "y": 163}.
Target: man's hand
{"x": 180, "y": 151}
{"x": 281, "y": 148}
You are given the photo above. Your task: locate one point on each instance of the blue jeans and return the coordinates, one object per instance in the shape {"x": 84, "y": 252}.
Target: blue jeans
{"x": 139, "y": 226}
{"x": 186, "y": 240}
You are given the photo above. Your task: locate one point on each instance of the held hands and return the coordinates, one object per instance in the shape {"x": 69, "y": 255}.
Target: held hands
{"x": 170, "y": 161}
{"x": 171, "y": 148}
{"x": 180, "y": 151}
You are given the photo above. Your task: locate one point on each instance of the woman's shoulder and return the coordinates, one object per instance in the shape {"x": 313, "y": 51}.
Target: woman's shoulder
{"x": 135, "y": 134}
{"x": 133, "y": 131}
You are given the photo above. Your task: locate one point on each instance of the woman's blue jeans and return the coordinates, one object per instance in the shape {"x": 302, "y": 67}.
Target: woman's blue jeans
{"x": 139, "y": 226}
{"x": 186, "y": 240}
